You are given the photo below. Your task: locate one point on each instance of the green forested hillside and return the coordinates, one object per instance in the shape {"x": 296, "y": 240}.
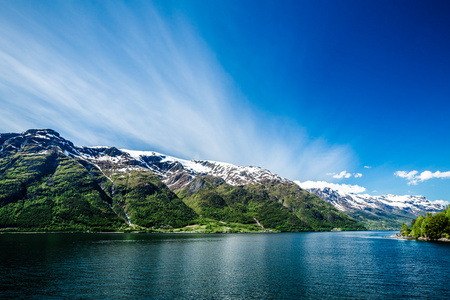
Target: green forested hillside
{"x": 51, "y": 191}
{"x": 147, "y": 201}
{"x": 282, "y": 206}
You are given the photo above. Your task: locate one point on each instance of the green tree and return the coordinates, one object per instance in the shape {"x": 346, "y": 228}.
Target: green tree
{"x": 405, "y": 231}
{"x": 416, "y": 230}
{"x": 435, "y": 226}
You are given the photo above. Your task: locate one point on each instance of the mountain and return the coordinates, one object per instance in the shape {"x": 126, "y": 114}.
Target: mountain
{"x": 48, "y": 183}
{"x": 279, "y": 205}
{"x": 385, "y": 212}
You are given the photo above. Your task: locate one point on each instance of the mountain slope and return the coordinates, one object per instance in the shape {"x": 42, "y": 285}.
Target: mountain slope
{"x": 45, "y": 183}
{"x": 273, "y": 204}
{"x": 94, "y": 187}
{"x": 147, "y": 201}
{"x": 50, "y": 190}
{"x": 212, "y": 197}
{"x": 374, "y": 212}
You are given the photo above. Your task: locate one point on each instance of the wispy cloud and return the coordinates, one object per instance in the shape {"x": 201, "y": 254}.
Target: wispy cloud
{"x": 414, "y": 177}
{"x": 367, "y": 167}
{"x": 141, "y": 79}
{"x": 345, "y": 174}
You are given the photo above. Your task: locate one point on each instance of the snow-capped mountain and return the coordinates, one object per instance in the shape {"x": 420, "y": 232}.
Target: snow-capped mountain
{"x": 374, "y": 212}
{"x": 393, "y": 207}
{"x": 347, "y": 201}
{"x": 173, "y": 171}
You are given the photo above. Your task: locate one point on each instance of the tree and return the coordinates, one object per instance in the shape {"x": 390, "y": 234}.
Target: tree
{"x": 416, "y": 230}
{"x": 435, "y": 226}
{"x": 405, "y": 231}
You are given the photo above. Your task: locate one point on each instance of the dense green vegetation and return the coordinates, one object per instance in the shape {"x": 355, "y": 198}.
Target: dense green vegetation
{"x": 281, "y": 206}
{"x": 147, "y": 201}
{"x": 429, "y": 227}
{"x": 50, "y": 192}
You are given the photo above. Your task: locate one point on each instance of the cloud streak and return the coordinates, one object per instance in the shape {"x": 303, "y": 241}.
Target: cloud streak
{"x": 141, "y": 79}
{"x": 414, "y": 177}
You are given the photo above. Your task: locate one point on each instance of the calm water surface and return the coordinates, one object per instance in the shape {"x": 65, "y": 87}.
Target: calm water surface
{"x": 327, "y": 265}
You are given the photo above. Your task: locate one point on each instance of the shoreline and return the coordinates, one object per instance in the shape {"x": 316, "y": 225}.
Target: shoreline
{"x": 410, "y": 238}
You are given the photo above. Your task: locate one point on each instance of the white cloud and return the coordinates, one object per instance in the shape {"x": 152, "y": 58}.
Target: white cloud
{"x": 367, "y": 167}
{"x": 343, "y": 188}
{"x": 344, "y": 174}
{"x": 414, "y": 177}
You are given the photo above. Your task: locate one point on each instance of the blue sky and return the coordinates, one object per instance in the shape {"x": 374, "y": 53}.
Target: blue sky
{"x": 349, "y": 92}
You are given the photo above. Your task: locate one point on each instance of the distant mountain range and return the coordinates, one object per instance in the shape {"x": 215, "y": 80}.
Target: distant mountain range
{"x": 48, "y": 183}
{"x": 374, "y": 212}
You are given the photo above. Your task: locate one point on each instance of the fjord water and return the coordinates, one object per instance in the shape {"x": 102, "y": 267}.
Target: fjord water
{"x": 326, "y": 265}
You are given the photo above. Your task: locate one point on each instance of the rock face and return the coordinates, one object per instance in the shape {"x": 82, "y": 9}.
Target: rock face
{"x": 377, "y": 212}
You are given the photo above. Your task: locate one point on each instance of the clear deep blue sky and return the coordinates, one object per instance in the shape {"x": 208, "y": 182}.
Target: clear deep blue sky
{"x": 307, "y": 89}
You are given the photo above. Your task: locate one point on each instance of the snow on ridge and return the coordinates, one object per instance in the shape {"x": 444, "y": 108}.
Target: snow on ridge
{"x": 232, "y": 174}
{"x": 97, "y": 147}
{"x": 187, "y": 164}
{"x": 136, "y": 154}
{"x": 167, "y": 158}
